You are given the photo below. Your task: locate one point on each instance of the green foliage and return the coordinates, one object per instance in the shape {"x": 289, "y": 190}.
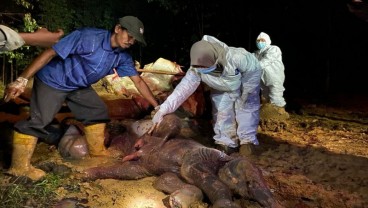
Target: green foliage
{"x": 70, "y": 14}
{"x": 63, "y": 14}
{"x": 22, "y": 56}
{"x": 38, "y": 194}
{"x": 24, "y": 3}
{"x": 13, "y": 56}
{"x": 93, "y": 13}
{"x": 30, "y": 24}
{"x": 56, "y": 14}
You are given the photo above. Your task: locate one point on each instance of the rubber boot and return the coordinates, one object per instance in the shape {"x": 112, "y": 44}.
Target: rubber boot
{"x": 23, "y": 148}
{"x": 282, "y": 112}
{"x": 95, "y": 136}
{"x": 247, "y": 149}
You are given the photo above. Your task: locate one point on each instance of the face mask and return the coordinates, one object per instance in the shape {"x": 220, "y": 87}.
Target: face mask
{"x": 208, "y": 70}
{"x": 261, "y": 45}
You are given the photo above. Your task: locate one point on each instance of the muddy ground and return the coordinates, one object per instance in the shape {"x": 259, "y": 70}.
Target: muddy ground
{"x": 316, "y": 158}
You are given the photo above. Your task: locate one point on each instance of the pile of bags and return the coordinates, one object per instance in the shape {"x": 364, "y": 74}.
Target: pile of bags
{"x": 158, "y": 76}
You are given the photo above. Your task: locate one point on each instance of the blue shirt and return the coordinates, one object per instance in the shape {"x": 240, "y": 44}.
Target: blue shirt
{"x": 84, "y": 57}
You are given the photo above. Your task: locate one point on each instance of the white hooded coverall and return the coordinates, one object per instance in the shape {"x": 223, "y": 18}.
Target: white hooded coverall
{"x": 234, "y": 95}
{"x": 9, "y": 39}
{"x": 272, "y": 84}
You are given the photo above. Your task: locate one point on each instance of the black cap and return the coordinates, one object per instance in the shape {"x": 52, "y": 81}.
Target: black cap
{"x": 135, "y": 28}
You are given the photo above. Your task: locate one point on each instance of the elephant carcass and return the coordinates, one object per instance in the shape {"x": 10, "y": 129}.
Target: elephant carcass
{"x": 218, "y": 175}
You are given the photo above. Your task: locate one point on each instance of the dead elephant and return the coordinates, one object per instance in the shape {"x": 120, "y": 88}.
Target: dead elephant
{"x": 184, "y": 166}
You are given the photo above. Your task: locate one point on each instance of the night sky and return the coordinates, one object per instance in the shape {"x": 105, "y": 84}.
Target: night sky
{"x": 324, "y": 45}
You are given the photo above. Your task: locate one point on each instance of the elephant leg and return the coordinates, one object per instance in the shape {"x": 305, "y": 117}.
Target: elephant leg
{"x": 200, "y": 168}
{"x": 123, "y": 171}
{"x": 185, "y": 196}
{"x": 181, "y": 193}
{"x": 168, "y": 183}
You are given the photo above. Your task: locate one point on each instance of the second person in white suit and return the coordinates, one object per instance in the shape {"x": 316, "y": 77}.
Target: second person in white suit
{"x": 233, "y": 75}
{"x": 273, "y": 77}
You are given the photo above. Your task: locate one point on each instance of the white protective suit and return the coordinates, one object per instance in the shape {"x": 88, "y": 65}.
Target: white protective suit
{"x": 272, "y": 85}
{"x": 9, "y": 39}
{"x": 234, "y": 93}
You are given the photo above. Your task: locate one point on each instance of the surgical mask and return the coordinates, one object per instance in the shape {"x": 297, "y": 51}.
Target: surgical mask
{"x": 207, "y": 70}
{"x": 261, "y": 45}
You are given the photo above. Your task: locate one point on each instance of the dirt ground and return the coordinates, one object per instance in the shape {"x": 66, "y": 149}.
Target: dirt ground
{"x": 318, "y": 157}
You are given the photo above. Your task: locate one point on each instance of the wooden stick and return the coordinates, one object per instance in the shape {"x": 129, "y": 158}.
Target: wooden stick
{"x": 161, "y": 72}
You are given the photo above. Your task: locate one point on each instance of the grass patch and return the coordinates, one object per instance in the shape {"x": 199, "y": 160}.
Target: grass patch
{"x": 36, "y": 195}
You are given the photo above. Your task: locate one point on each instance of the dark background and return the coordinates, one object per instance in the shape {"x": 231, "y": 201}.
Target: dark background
{"x": 324, "y": 45}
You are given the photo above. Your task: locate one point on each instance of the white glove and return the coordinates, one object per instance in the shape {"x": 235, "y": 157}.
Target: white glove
{"x": 157, "y": 118}
{"x": 155, "y": 111}
{"x": 14, "y": 89}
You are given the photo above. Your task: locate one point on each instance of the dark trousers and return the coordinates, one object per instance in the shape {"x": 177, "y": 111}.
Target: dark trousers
{"x": 46, "y": 102}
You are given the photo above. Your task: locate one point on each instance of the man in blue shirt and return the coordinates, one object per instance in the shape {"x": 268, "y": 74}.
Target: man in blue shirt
{"x": 64, "y": 73}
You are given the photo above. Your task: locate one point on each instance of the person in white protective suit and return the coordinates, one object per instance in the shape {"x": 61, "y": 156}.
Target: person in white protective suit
{"x": 233, "y": 75}
{"x": 11, "y": 40}
{"x": 272, "y": 81}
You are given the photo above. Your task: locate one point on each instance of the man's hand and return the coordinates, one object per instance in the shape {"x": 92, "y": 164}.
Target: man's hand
{"x": 14, "y": 89}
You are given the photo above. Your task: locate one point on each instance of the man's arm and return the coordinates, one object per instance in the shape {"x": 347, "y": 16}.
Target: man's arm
{"x": 17, "y": 87}
{"x": 182, "y": 91}
{"x": 39, "y": 62}
{"x": 42, "y": 37}
{"x": 11, "y": 40}
{"x": 142, "y": 87}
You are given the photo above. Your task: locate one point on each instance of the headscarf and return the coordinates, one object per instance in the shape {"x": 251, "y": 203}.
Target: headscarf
{"x": 204, "y": 53}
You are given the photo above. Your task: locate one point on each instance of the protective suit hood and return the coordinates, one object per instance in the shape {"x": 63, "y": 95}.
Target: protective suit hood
{"x": 205, "y": 53}
{"x": 265, "y": 37}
